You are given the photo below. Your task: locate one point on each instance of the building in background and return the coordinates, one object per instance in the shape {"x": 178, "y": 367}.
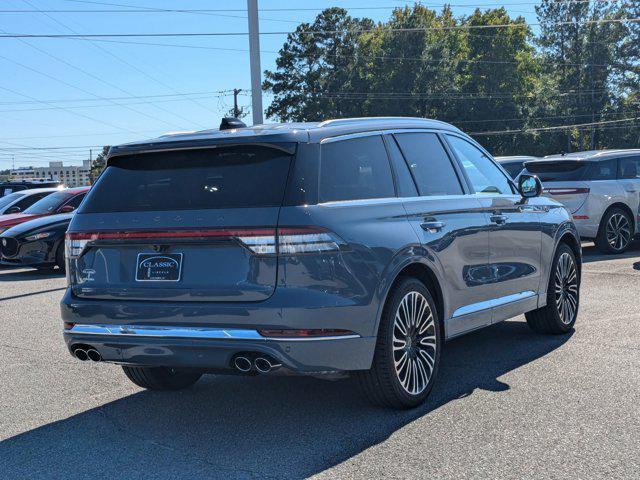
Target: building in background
{"x": 70, "y": 175}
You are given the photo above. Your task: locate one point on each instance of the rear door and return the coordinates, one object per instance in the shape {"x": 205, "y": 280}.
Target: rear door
{"x": 452, "y": 226}
{"x": 190, "y": 225}
{"x": 515, "y": 238}
{"x": 629, "y": 179}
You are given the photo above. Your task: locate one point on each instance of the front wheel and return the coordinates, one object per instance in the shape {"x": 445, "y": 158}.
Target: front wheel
{"x": 407, "y": 355}
{"x": 563, "y": 296}
{"x": 162, "y": 378}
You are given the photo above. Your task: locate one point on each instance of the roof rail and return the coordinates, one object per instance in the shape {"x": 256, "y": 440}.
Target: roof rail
{"x": 346, "y": 121}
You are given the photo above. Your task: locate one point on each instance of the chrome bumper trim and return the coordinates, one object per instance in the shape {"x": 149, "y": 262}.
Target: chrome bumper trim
{"x": 188, "y": 332}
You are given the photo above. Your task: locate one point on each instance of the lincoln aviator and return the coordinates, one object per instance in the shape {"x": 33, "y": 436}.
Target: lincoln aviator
{"x": 351, "y": 247}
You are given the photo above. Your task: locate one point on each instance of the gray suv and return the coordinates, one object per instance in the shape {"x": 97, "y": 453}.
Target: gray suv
{"x": 601, "y": 189}
{"x": 353, "y": 246}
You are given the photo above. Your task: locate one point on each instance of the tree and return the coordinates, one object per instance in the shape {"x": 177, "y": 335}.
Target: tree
{"x": 315, "y": 68}
{"x": 97, "y": 166}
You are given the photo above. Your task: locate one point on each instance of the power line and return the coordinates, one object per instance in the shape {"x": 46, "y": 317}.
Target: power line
{"x": 99, "y": 47}
{"x": 320, "y": 32}
{"x": 559, "y": 127}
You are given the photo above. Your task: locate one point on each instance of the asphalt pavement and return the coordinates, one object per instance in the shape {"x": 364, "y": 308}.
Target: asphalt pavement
{"x": 508, "y": 404}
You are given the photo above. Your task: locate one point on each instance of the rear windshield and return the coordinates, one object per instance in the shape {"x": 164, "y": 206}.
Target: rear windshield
{"x": 49, "y": 203}
{"x": 557, "y": 171}
{"x": 231, "y": 177}
{"x": 512, "y": 168}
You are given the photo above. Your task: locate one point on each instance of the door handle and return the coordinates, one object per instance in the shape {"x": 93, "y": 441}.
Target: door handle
{"x": 499, "y": 219}
{"x": 432, "y": 227}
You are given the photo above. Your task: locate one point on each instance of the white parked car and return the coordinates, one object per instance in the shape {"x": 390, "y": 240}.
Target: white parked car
{"x": 514, "y": 164}
{"x": 19, "y": 201}
{"x": 601, "y": 189}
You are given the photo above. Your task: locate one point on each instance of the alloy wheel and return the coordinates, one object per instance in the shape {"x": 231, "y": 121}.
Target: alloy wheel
{"x": 618, "y": 231}
{"x": 566, "y": 288}
{"x": 414, "y": 343}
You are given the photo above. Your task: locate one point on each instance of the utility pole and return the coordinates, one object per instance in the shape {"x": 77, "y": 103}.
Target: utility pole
{"x": 254, "y": 60}
{"x": 236, "y": 110}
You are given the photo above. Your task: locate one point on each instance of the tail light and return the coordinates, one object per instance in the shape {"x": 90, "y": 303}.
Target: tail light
{"x": 260, "y": 241}
{"x": 566, "y": 191}
{"x": 293, "y": 241}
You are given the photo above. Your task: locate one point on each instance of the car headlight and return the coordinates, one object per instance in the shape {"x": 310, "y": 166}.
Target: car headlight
{"x": 37, "y": 236}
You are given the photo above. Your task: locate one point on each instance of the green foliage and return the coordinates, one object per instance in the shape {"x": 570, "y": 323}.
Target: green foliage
{"x": 97, "y": 166}
{"x": 428, "y": 64}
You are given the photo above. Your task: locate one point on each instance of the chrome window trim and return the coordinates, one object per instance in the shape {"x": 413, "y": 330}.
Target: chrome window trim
{"x": 350, "y": 136}
{"x": 495, "y": 302}
{"x": 205, "y": 333}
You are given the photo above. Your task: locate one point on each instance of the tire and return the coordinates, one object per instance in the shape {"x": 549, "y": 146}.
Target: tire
{"x": 60, "y": 261}
{"x": 162, "y": 378}
{"x": 391, "y": 381}
{"x": 563, "y": 296}
{"x": 616, "y": 231}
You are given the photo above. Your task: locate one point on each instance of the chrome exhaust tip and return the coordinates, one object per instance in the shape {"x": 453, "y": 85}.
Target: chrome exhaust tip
{"x": 242, "y": 363}
{"x": 81, "y": 354}
{"x": 94, "y": 355}
{"x": 264, "y": 365}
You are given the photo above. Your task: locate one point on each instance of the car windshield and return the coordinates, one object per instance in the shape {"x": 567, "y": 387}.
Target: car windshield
{"x": 566, "y": 170}
{"x": 48, "y": 204}
{"x": 9, "y": 199}
{"x": 234, "y": 177}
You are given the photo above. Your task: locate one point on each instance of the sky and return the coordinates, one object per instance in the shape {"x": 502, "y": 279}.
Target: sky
{"x": 62, "y": 98}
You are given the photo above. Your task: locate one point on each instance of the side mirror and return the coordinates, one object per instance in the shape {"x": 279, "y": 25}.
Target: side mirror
{"x": 66, "y": 209}
{"x": 529, "y": 186}
{"x": 14, "y": 209}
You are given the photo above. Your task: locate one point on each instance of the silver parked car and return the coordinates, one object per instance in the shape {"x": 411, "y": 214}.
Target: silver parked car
{"x": 514, "y": 164}
{"x": 600, "y": 188}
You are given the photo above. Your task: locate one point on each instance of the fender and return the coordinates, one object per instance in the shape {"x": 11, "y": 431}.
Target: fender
{"x": 411, "y": 254}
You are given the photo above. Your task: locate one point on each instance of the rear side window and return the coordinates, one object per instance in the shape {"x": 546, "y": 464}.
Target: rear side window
{"x": 605, "y": 170}
{"x": 629, "y": 167}
{"x": 563, "y": 170}
{"x": 429, "y": 164}
{"x": 230, "y": 177}
{"x": 355, "y": 169}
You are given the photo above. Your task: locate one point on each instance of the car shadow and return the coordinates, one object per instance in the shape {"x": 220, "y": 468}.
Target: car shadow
{"x": 238, "y": 427}
{"x": 10, "y": 274}
{"x": 591, "y": 254}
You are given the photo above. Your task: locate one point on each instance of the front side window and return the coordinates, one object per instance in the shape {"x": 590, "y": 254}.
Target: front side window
{"x": 484, "y": 175}
{"x": 9, "y": 199}
{"x": 629, "y": 167}
{"x": 355, "y": 169}
{"x": 429, "y": 164}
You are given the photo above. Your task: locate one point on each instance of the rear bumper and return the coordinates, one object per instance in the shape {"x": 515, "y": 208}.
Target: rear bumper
{"x": 215, "y": 348}
{"x": 196, "y": 334}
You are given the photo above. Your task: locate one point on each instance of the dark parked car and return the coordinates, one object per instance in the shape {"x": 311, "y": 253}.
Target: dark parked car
{"x": 347, "y": 246}
{"x": 10, "y": 187}
{"x": 64, "y": 201}
{"x": 514, "y": 164}
{"x": 37, "y": 243}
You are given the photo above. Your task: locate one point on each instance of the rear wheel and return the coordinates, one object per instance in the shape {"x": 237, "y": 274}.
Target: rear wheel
{"x": 162, "y": 378}
{"x": 407, "y": 355}
{"x": 615, "y": 232}
{"x": 563, "y": 296}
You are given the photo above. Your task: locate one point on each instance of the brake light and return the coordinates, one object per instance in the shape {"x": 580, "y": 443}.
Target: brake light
{"x": 566, "y": 191}
{"x": 260, "y": 241}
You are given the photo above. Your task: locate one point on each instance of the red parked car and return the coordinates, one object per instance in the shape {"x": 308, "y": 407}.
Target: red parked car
{"x": 64, "y": 201}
